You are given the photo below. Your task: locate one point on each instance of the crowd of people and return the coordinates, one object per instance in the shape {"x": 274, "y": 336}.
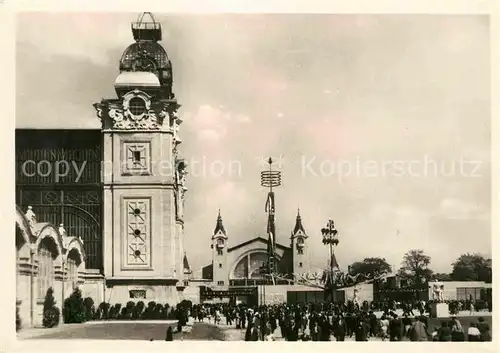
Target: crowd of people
{"x": 340, "y": 321}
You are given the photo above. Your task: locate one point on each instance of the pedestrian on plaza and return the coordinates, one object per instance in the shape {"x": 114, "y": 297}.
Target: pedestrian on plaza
{"x": 444, "y": 332}
{"x": 237, "y": 320}
{"x": 407, "y": 322}
{"x": 340, "y": 329}
{"x": 471, "y": 308}
{"x": 484, "y": 329}
{"x": 395, "y": 328}
{"x": 254, "y": 336}
{"x": 248, "y": 333}
{"x": 361, "y": 334}
{"x": 473, "y": 333}
{"x": 384, "y": 327}
{"x": 457, "y": 331}
{"x": 418, "y": 332}
{"x": 170, "y": 334}
{"x": 373, "y": 323}
{"x": 435, "y": 334}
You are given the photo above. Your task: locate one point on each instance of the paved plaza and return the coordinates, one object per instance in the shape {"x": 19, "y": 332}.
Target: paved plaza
{"x": 151, "y": 330}
{"x": 129, "y": 330}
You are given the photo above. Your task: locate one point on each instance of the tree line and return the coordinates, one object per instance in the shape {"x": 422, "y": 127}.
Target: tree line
{"x": 415, "y": 268}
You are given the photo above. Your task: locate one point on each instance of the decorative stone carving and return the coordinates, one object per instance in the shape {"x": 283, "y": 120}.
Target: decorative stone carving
{"x": 137, "y": 294}
{"x": 175, "y": 123}
{"x": 137, "y": 158}
{"x": 135, "y": 112}
{"x": 62, "y": 231}
{"x": 117, "y": 116}
{"x": 181, "y": 175}
{"x": 99, "y": 110}
{"x": 139, "y": 97}
{"x": 30, "y": 215}
{"x": 138, "y": 232}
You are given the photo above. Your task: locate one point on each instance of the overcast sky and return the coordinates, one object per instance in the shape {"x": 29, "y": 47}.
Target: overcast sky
{"x": 383, "y": 122}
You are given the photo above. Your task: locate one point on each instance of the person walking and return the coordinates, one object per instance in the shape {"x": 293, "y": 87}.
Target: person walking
{"x": 418, "y": 332}
{"x": 473, "y": 333}
{"x": 444, "y": 332}
{"x": 484, "y": 329}
{"x": 457, "y": 331}
{"x": 170, "y": 335}
{"x": 384, "y": 327}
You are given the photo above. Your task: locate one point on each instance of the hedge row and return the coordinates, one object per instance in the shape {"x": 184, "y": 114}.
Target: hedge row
{"x": 133, "y": 311}
{"x": 77, "y": 310}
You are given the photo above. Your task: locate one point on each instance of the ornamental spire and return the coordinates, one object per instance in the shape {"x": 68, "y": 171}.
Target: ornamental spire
{"x": 298, "y": 224}
{"x": 219, "y": 226}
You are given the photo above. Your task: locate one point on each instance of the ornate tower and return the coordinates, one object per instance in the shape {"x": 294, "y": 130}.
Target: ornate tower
{"x": 299, "y": 247}
{"x": 143, "y": 176}
{"x": 219, "y": 254}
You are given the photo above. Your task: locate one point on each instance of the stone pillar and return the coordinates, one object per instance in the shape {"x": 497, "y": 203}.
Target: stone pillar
{"x": 440, "y": 310}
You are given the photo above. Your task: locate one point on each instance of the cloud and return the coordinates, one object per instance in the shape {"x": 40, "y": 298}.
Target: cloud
{"x": 458, "y": 209}
{"x": 210, "y": 135}
{"x": 241, "y": 118}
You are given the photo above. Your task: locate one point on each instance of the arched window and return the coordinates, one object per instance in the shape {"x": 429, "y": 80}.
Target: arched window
{"x": 72, "y": 263}
{"x": 45, "y": 267}
{"x": 72, "y": 272}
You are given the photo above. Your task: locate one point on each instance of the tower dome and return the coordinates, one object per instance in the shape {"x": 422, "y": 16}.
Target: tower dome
{"x": 147, "y": 55}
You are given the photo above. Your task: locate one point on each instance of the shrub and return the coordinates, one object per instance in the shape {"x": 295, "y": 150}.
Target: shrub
{"x": 74, "y": 311}
{"x": 111, "y": 312}
{"x": 166, "y": 311}
{"x": 186, "y": 304}
{"x": 149, "y": 313}
{"x": 97, "y": 315}
{"x": 51, "y": 313}
{"x": 129, "y": 310}
{"x": 114, "y": 313}
{"x": 158, "y": 315}
{"x": 104, "y": 309}
{"x": 88, "y": 303}
{"x": 172, "y": 314}
{"x": 123, "y": 314}
{"x": 18, "y": 318}
{"x": 138, "y": 310}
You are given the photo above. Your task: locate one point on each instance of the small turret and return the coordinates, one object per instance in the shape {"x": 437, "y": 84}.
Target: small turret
{"x": 219, "y": 253}
{"x": 299, "y": 247}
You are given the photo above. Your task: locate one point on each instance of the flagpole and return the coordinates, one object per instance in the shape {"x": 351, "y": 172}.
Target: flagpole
{"x": 271, "y": 178}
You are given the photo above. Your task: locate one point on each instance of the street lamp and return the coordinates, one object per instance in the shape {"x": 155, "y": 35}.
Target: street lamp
{"x": 330, "y": 238}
